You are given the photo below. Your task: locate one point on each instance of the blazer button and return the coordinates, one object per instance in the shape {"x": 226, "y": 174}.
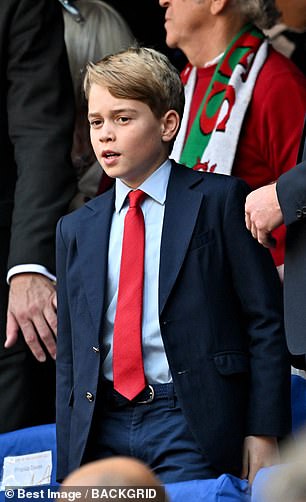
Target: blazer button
{"x": 90, "y": 397}
{"x": 96, "y": 350}
{"x": 299, "y": 214}
{"x": 304, "y": 211}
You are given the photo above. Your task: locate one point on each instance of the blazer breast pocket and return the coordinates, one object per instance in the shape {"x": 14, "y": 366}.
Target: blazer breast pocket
{"x": 203, "y": 239}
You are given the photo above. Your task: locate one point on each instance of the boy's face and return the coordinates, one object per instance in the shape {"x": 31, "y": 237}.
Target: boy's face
{"x": 126, "y": 136}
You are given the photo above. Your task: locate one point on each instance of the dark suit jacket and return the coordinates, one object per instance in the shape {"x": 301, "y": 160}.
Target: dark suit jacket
{"x": 220, "y": 317}
{"x": 36, "y": 126}
{"x": 291, "y": 190}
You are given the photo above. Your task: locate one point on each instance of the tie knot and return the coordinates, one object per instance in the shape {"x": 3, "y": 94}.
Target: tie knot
{"x": 136, "y": 197}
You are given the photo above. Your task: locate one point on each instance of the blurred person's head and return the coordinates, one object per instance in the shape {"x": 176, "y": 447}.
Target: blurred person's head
{"x": 287, "y": 482}
{"x": 114, "y": 472}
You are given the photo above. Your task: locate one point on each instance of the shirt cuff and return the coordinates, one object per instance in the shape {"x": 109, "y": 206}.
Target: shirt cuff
{"x": 31, "y": 268}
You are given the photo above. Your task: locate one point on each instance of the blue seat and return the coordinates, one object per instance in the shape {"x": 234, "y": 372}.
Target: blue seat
{"x": 298, "y": 402}
{"x": 26, "y": 442}
{"x": 42, "y": 438}
{"x": 226, "y": 488}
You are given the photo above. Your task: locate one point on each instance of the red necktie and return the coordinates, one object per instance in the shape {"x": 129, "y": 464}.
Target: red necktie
{"x": 128, "y": 370}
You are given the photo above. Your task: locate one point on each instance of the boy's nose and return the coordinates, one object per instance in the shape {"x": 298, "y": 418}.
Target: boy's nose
{"x": 107, "y": 134}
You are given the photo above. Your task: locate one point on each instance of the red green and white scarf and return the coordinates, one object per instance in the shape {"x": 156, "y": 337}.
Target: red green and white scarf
{"x": 213, "y": 137}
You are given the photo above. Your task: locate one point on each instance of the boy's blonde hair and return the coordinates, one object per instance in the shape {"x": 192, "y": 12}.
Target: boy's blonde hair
{"x": 142, "y": 74}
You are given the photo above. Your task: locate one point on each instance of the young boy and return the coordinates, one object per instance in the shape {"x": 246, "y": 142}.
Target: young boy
{"x": 179, "y": 359}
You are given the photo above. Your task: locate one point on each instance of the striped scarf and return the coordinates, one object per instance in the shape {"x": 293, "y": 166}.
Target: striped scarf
{"x": 213, "y": 138}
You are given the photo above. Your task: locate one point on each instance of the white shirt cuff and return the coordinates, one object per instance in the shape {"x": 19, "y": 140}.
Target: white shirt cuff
{"x": 29, "y": 267}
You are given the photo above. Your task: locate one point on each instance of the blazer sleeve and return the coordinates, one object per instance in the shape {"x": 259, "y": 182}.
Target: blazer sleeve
{"x": 64, "y": 362}
{"x": 291, "y": 192}
{"x": 40, "y": 107}
{"x": 259, "y": 291}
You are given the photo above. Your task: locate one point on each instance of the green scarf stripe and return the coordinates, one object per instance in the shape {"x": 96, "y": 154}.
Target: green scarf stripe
{"x": 197, "y": 141}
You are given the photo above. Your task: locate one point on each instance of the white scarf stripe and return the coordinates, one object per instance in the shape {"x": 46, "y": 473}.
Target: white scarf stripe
{"x": 221, "y": 148}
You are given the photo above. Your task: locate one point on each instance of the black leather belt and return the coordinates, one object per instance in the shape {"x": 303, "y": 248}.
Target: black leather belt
{"x": 147, "y": 396}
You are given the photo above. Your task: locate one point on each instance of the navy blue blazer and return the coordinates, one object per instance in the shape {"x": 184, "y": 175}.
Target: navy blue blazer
{"x": 291, "y": 190}
{"x": 220, "y": 312}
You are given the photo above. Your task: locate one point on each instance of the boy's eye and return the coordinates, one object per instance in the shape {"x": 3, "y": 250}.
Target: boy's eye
{"x": 95, "y": 123}
{"x": 123, "y": 120}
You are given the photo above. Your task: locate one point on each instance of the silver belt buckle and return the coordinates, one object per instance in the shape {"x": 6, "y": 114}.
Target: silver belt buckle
{"x": 150, "y": 398}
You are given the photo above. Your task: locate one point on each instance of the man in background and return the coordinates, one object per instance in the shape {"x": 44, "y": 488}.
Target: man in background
{"x": 36, "y": 185}
{"x": 245, "y": 102}
{"x": 266, "y": 209}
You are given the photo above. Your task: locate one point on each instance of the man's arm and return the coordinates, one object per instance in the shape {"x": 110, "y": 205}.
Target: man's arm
{"x": 283, "y": 202}
{"x": 41, "y": 118}
{"x": 260, "y": 294}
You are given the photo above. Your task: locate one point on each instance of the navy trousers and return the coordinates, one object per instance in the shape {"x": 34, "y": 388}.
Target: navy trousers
{"x": 155, "y": 432}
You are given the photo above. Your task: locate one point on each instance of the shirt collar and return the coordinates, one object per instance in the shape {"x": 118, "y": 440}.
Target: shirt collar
{"x": 213, "y": 61}
{"x": 155, "y": 186}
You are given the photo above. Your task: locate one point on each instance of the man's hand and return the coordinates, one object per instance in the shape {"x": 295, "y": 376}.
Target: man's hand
{"x": 258, "y": 451}
{"x": 32, "y": 309}
{"x": 263, "y": 214}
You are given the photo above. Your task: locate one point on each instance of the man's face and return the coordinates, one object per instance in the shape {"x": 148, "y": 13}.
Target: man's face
{"x": 183, "y": 19}
{"x": 126, "y": 136}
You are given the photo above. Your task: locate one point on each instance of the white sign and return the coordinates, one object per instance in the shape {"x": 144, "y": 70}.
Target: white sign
{"x": 27, "y": 470}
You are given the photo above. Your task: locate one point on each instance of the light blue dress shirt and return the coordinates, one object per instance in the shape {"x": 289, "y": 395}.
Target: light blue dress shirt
{"x": 153, "y": 207}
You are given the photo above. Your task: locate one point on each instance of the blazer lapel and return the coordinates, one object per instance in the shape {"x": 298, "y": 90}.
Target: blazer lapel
{"x": 181, "y": 211}
{"x": 92, "y": 242}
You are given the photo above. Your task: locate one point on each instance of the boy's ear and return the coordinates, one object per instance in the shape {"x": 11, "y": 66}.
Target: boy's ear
{"x": 170, "y": 124}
